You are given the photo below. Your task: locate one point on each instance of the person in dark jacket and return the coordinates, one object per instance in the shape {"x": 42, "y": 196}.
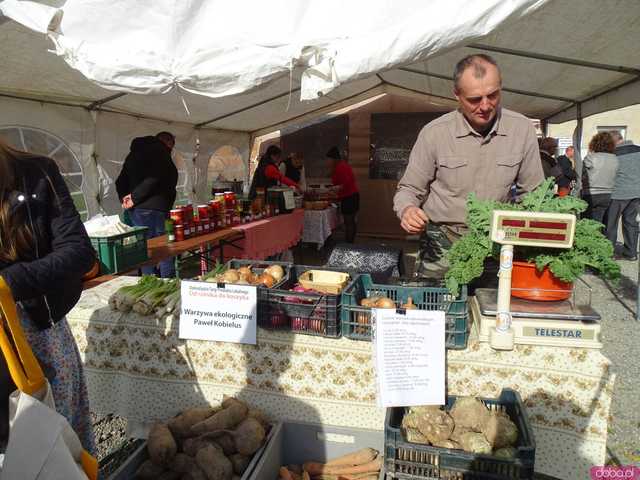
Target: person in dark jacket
{"x": 548, "y": 146}
{"x": 44, "y": 253}
{"x": 147, "y": 188}
{"x": 567, "y": 180}
{"x": 267, "y": 173}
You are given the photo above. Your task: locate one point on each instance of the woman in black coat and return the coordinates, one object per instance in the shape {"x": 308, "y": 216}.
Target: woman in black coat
{"x": 44, "y": 252}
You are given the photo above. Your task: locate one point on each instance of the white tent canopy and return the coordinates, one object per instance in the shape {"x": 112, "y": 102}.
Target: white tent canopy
{"x": 249, "y": 67}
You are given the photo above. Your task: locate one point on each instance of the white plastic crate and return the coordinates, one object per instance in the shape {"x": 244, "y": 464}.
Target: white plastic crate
{"x": 297, "y": 443}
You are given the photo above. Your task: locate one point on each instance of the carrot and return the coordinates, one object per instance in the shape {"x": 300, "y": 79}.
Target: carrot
{"x": 361, "y": 476}
{"x": 285, "y": 474}
{"x": 321, "y": 469}
{"x": 365, "y": 455}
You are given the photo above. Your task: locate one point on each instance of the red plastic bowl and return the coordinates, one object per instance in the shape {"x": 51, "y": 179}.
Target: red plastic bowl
{"x": 530, "y": 284}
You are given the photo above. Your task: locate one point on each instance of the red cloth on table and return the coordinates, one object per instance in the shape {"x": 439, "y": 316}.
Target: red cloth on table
{"x": 273, "y": 173}
{"x": 267, "y": 237}
{"x": 343, "y": 176}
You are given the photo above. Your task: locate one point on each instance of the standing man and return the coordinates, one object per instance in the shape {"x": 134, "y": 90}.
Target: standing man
{"x": 625, "y": 199}
{"x": 147, "y": 188}
{"x": 480, "y": 147}
{"x": 548, "y": 148}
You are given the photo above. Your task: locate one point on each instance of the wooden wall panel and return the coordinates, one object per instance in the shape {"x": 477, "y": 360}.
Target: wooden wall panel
{"x": 376, "y": 216}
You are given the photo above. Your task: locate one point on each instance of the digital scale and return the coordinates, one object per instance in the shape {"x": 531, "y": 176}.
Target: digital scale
{"x": 561, "y": 323}
{"x": 502, "y": 321}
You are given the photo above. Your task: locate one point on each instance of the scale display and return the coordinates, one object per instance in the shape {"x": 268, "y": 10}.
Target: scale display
{"x": 534, "y": 229}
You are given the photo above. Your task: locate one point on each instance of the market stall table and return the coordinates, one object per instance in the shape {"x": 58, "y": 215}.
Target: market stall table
{"x": 267, "y": 237}
{"x": 138, "y": 368}
{"x": 159, "y": 248}
{"x": 319, "y": 224}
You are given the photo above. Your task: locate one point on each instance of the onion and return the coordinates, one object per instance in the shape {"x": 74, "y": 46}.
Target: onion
{"x": 244, "y": 271}
{"x": 230, "y": 276}
{"x": 276, "y": 271}
{"x": 266, "y": 280}
{"x": 385, "y": 302}
{"x": 409, "y": 305}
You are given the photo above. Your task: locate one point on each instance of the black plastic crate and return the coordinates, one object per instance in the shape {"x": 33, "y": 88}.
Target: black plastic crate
{"x": 414, "y": 461}
{"x": 301, "y": 312}
{"x": 356, "y": 320}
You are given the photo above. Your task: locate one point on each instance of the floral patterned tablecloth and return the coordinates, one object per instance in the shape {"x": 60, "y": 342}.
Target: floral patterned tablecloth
{"x": 138, "y": 368}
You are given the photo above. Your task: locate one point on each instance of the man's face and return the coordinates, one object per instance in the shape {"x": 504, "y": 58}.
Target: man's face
{"x": 169, "y": 143}
{"x": 570, "y": 151}
{"x": 479, "y": 98}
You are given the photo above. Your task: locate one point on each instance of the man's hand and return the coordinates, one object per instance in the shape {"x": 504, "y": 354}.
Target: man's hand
{"x": 127, "y": 202}
{"x": 414, "y": 220}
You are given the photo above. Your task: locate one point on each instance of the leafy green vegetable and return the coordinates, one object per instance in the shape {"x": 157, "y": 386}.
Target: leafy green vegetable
{"x": 590, "y": 248}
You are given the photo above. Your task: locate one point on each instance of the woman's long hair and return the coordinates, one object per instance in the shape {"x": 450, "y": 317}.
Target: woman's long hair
{"x": 16, "y": 237}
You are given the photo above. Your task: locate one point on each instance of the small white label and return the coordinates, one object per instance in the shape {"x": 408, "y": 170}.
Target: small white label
{"x": 506, "y": 259}
{"x": 500, "y": 235}
{"x": 503, "y": 321}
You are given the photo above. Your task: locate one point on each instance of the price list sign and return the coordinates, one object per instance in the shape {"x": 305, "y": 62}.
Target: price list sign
{"x": 409, "y": 350}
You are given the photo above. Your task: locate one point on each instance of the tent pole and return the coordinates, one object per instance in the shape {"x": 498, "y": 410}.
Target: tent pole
{"x": 577, "y": 147}
{"x": 98, "y": 103}
{"x": 553, "y": 58}
{"x": 544, "y": 126}
{"x": 594, "y": 96}
{"x": 504, "y": 89}
{"x": 311, "y": 112}
{"x": 230, "y": 114}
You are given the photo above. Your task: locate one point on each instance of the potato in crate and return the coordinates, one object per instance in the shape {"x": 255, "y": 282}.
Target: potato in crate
{"x": 363, "y": 294}
{"x": 467, "y": 439}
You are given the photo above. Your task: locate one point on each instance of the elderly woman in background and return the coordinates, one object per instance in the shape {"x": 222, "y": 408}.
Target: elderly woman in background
{"x": 599, "y": 174}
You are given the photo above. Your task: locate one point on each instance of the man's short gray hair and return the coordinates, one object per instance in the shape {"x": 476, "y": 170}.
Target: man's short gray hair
{"x": 617, "y": 136}
{"x": 478, "y": 61}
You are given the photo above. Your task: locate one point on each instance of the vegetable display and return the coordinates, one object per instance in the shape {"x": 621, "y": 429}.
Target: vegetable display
{"x": 469, "y": 426}
{"x": 150, "y": 296}
{"x": 205, "y": 443}
{"x": 363, "y": 464}
{"x": 591, "y": 249}
{"x": 245, "y": 276}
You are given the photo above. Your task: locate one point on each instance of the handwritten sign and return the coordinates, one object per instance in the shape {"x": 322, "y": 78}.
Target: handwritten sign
{"x": 409, "y": 357}
{"x": 226, "y": 313}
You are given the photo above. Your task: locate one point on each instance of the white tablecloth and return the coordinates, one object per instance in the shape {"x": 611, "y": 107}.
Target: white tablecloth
{"x": 318, "y": 225}
{"x": 137, "y": 367}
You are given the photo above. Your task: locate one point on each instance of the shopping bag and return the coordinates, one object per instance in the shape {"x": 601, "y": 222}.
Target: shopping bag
{"x": 42, "y": 445}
